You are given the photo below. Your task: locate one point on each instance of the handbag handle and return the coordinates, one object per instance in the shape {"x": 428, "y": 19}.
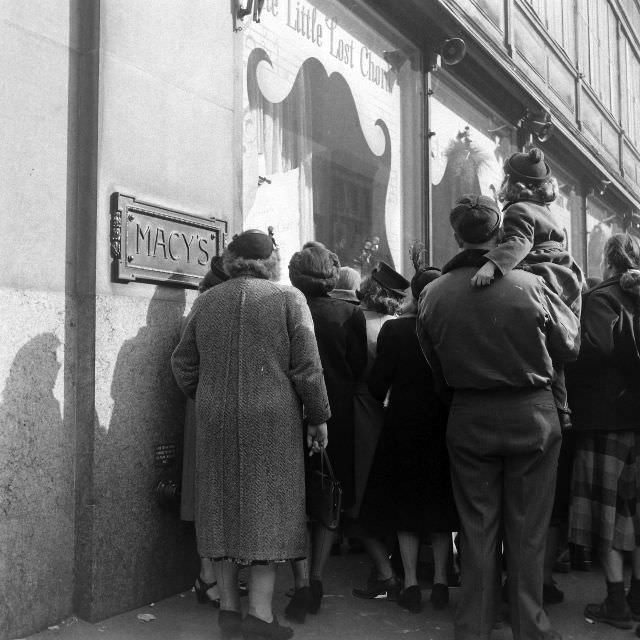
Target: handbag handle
{"x": 324, "y": 458}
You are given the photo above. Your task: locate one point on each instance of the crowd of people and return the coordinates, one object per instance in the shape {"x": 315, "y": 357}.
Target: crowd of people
{"x": 443, "y": 402}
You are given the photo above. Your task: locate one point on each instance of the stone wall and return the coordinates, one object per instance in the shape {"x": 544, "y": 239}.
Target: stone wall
{"x": 105, "y": 96}
{"x": 37, "y": 428}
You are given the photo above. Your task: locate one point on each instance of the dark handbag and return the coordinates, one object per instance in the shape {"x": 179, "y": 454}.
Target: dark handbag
{"x": 324, "y": 492}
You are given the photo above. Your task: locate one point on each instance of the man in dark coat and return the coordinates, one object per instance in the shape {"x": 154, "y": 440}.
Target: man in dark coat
{"x": 494, "y": 348}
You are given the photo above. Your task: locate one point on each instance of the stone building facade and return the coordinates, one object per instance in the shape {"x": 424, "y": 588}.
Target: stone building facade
{"x": 355, "y": 122}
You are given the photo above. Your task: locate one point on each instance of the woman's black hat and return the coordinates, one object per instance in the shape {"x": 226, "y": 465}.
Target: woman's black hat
{"x": 389, "y": 278}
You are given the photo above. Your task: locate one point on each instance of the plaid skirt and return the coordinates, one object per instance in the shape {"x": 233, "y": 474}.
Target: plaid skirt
{"x": 605, "y": 505}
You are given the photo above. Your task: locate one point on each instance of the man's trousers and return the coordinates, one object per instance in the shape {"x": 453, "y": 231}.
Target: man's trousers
{"x": 504, "y": 446}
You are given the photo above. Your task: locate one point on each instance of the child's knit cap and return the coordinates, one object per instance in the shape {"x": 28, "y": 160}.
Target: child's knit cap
{"x": 527, "y": 167}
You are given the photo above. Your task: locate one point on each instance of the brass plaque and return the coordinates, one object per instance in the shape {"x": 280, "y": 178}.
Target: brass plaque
{"x": 159, "y": 245}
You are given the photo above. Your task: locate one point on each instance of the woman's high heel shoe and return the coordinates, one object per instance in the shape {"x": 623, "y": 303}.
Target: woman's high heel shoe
{"x": 201, "y": 588}
{"x": 255, "y": 629}
{"x": 297, "y": 608}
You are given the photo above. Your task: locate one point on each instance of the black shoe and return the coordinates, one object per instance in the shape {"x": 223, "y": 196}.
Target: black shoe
{"x": 316, "y": 596}
{"x": 439, "y": 596}
{"x": 604, "y": 613}
{"x": 581, "y": 559}
{"x": 552, "y": 634}
{"x": 230, "y": 623}
{"x": 379, "y": 589}
{"x": 297, "y": 609}
{"x": 411, "y": 599}
{"x": 201, "y": 587}
{"x": 551, "y": 594}
{"x": 255, "y": 629}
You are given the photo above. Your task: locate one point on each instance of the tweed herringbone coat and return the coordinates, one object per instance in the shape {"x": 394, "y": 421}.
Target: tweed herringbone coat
{"x": 249, "y": 355}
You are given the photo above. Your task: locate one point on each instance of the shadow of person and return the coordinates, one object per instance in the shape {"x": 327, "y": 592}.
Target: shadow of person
{"x": 143, "y": 553}
{"x": 36, "y": 499}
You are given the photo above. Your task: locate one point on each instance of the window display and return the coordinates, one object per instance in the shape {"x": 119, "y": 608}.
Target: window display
{"x": 468, "y": 149}
{"x": 602, "y": 222}
{"x": 330, "y": 151}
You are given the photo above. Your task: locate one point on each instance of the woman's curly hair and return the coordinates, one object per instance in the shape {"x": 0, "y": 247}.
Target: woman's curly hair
{"x": 376, "y": 298}
{"x": 314, "y": 270}
{"x": 622, "y": 252}
{"x": 516, "y": 191}
{"x": 265, "y": 268}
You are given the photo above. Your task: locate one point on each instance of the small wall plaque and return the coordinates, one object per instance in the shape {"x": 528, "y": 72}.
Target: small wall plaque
{"x": 160, "y": 245}
{"x": 165, "y": 455}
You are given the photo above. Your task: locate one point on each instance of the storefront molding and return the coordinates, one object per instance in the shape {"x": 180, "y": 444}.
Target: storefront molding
{"x": 513, "y": 78}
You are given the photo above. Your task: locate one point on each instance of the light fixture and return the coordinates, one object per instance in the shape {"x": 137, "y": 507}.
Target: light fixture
{"x": 537, "y": 124}
{"x": 451, "y": 51}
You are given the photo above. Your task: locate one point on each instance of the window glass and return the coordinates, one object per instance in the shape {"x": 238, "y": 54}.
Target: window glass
{"x": 567, "y": 209}
{"x": 468, "y": 149}
{"x": 601, "y": 222}
{"x": 332, "y": 104}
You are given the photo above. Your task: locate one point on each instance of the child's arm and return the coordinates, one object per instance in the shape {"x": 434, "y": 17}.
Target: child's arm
{"x": 484, "y": 275}
{"x": 519, "y": 231}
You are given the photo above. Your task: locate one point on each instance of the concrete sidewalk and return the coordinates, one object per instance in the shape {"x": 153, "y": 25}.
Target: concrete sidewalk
{"x": 342, "y": 616}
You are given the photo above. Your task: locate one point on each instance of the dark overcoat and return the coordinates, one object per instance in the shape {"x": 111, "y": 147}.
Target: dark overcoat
{"x": 409, "y": 487}
{"x": 604, "y": 383}
{"x": 342, "y": 342}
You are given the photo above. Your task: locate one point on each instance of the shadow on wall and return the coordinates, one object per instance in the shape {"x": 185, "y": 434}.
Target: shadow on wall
{"x": 142, "y": 553}
{"x": 36, "y": 493}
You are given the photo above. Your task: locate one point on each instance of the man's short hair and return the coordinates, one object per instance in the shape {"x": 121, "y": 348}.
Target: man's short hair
{"x": 475, "y": 219}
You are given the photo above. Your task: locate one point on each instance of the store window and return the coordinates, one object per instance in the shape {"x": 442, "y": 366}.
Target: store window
{"x": 468, "y": 150}
{"x": 332, "y": 142}
{"x": 568, "y": 211}
{"x": 602, "y": 221}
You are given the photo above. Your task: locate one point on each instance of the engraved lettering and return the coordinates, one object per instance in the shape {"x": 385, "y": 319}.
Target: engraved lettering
{"x": 160, "y": 242}
{"x": 188, "y": 245}
{"x": 141, "y": 235}
{"x": 204, "y": 251}
{"x": 171, "y": 237}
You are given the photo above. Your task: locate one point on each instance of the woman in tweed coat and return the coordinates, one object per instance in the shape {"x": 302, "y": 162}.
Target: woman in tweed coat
{"x": 249, "y": 356}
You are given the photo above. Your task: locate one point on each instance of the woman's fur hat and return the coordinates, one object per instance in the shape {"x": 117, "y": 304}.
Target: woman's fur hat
{"x": 314, "y": 270}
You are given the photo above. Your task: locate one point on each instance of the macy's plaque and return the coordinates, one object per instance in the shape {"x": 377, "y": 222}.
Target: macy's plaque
{"x": 160, "y": 245}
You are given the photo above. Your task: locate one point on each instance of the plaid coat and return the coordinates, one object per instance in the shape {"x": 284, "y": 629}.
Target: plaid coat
{"x": 249, "y": 355}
